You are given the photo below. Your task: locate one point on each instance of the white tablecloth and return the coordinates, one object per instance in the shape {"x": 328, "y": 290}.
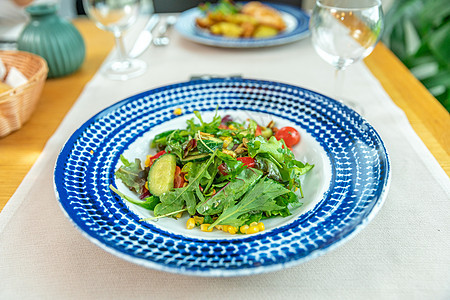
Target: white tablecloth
{"x": 404, "y": 253}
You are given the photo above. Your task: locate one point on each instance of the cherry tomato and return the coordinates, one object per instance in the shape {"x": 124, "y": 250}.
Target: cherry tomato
{"x": 178, "y": 180}
{"x": 290, "y": 136}
{"x": 151, "y": 159}
{"x": 258, "y": 130}
{"x": 248, "y": 161}
{"x": 223, "y": 169}
{"x": 160, "y": 153}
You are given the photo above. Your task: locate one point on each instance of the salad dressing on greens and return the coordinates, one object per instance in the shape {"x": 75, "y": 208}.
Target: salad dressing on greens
{"x": 225, "y": 174}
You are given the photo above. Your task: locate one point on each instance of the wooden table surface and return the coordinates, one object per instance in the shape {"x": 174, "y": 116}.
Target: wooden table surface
{"x": 19, "y": 150}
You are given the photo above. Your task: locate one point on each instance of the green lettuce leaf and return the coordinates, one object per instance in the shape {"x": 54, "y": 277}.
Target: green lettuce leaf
{"x": 272, "y": 147}
{"x": 132, "y": 174}
{"x": 269, "y": 167}
{"x": 274, "y": 158}
{"x": 148, "y": 203}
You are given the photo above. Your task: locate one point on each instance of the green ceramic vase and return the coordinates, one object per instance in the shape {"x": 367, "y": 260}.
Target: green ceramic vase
{"x": 53, "y": 38}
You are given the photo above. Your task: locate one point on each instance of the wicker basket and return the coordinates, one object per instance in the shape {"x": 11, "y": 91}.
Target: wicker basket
{"x": 17, "y": 105}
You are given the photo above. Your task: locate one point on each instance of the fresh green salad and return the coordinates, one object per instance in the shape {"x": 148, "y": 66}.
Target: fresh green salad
{"x": 225, "y": 174}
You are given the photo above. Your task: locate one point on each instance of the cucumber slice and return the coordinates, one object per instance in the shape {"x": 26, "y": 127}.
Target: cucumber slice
{"x": 161, "y": 175}
{"x": 196, "y": 157}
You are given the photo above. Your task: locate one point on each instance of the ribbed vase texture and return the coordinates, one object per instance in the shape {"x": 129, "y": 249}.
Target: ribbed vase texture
{"x": 53, "y": 38}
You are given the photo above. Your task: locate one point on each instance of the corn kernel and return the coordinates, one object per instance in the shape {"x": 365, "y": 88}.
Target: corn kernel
{"x": 204, "y": 227}
{"x": 232, "y": 127}
{"x": 225, "y": 228}
{"x": 244, "y": 228}
{"x": 226, "y": 141}
{"x": 147, "y": 160}
{"x": 199, "y": 220}
{"x": 177, "y": 111}
{"x": 253, "y": 224}
{"x": 219, "y": 227}
{"x": 232, "y": 229}
{"x": 252, "y": 229}
{"x": 179, "y": 215}
{"x": 261, "y": 226}
{"x": 190, "y": 223}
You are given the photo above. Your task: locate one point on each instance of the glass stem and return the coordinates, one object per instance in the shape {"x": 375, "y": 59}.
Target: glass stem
{"x": 121, "y": 52}
{"x": 338, "y": 83}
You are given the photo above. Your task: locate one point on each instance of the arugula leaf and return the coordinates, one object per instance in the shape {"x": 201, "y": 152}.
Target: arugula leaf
{"x": 132, "y": 174}
{"x": 161, "y": 138}
{"x": 231, "y": 192}
{"x": 211, "y": 127}
{"x": 175, "y": 148}
{"x": 148, "y": 203}
{"x": 261, "y": 197}
{"x": 176, "y": 199}
{"x": 212, "y": 170}
{"x": 234, "y": 166}
{"x": 197, "y": 167}
{"x": 284, "y": 201}
{"x": 208, "y": 220}
{"x": 297, "y": 169}
{"x": 251, "y": 217}
{"x": 173, "y": 201}
{"x": 208, "y": 146}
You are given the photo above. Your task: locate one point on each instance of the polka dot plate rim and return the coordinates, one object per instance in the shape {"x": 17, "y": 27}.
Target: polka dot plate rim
{"x": 297, "y": 28}
{"x": 357, "y": 187}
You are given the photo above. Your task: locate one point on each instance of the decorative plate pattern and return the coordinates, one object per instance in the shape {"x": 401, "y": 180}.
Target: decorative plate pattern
{"x": 355, "y": 188}
{"x": 297, "y": 22}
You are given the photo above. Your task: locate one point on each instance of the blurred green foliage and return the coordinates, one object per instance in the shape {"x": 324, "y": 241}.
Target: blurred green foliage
{"x": 418, "y": 32}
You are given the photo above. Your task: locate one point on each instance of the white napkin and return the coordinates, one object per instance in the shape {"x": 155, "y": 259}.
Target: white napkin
{"x": 15, "y": 78}
{"x": 402, "y": 254}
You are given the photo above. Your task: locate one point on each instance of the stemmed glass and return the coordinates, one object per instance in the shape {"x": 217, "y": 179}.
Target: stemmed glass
{"x": 116, "y": 16}
{"x": 345, "y": 31}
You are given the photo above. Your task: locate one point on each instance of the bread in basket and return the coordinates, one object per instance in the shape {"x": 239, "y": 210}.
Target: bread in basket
{"x": 17, "y": 104}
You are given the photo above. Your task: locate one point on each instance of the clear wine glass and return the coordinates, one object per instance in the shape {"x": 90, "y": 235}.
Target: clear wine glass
{"x": 116, "y": 16}
{"x": 343, "y": 32}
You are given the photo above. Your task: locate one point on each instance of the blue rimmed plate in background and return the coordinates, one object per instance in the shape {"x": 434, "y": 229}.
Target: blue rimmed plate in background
{"x": 343, "y": 192}
{"x": 297, "y": 28}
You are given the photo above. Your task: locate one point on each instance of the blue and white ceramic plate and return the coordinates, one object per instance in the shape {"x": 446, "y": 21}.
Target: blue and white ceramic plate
{"x": 296, "y": 21}
{"x": 342, "y": 193}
